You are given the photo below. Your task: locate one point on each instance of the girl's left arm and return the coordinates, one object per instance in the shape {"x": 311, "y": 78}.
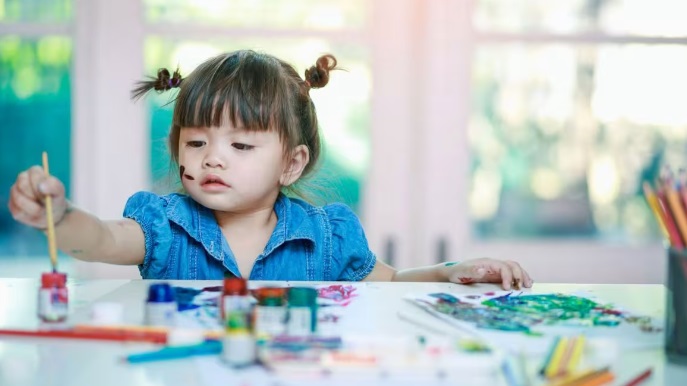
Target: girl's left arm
{"x": 485, "y": 270}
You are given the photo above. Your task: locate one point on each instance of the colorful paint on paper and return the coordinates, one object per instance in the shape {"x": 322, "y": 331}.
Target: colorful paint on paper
{"x": 523, "y": 313}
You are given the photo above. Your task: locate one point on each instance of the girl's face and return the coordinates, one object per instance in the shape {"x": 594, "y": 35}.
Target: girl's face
{"x": 231, "y": 169}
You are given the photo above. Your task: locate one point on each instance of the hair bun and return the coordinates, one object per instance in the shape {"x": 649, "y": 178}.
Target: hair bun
{"x": 163, "y": 82}
{"x": 317, "y": 76}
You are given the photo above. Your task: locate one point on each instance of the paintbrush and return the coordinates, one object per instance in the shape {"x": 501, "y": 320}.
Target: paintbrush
{"x": 52, "y": 246}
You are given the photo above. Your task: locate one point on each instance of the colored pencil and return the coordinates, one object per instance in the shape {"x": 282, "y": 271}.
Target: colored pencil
{"x": 678, "y": 211}
{"x": 509, "y": 372}
{"x": 52, "y": 245}
{"x": 586, "y": 378}
{"x": 552, "y": 349}
{"x": 652, "y": 200}
{"x": 576, "y": 354}
{"x": 640, "y": 378}
{"x": 552, "y": 370}
{"x": 675, "y": 239}
{"x": 119, "y": 336}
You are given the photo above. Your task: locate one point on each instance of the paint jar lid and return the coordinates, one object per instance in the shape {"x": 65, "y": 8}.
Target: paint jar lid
{"x": 270, "y": 296}
{"x": 160, "y": 293}
{"x": 235, "y": 286}
{"x": 302, "y": 297}
{"x": 53, "y": 279}
{"x": 185, "y": 336}
{"x": 107, "y": 313}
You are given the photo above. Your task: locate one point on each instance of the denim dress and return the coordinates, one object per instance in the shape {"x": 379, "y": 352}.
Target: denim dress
{"x": 309, "y": 243}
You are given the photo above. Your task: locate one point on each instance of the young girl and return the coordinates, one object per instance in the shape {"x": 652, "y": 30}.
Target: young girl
{"x": 244, "y": 131}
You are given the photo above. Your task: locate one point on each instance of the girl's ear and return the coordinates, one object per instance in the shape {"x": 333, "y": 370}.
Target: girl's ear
{"x": 296, "y": 163}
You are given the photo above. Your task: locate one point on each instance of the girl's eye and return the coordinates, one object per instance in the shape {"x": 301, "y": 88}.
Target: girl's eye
{"x": 195, "y": 143}
{"x": 242, "y": 146}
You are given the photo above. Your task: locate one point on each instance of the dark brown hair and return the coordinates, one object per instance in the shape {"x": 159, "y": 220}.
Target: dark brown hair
{"x": 257, "y": 90}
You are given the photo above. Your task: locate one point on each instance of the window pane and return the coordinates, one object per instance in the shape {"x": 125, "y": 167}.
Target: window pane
{"x": 36, "y": 117}
{"x": 635, "y": 17}
{"x": 36, "y": 10}
{"x": 563, "y": 136}
{"x": 311, "y": 14}
{"x": 342, "y": 106}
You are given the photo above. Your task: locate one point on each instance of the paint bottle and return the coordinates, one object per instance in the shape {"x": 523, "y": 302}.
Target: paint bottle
{"x": 269, "y": 314}
{"x": 238, "y": 345}
{"x": 302, "y": 311}
{"x": 235, "y": 303}
{"x": 53, "y": 298}
{"x": 161, "y": 305}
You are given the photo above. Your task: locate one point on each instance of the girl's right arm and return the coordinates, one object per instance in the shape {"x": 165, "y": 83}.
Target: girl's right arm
{"x": 78, "y": 233}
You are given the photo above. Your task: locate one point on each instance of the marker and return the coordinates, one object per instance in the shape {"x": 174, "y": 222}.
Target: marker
{"x": 640, "y": 378}
{"x": 177, "y": 352}
{"x": 119, "y": 336}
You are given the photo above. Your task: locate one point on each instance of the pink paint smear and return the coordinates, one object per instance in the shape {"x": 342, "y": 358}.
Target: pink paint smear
{"x": 341, "y": 294}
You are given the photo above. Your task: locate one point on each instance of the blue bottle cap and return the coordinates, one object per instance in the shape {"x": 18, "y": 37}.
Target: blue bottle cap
{"x": 160, "y": 293}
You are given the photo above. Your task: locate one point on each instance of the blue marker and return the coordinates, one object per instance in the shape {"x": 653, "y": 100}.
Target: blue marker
{"x": 210, "y": 347}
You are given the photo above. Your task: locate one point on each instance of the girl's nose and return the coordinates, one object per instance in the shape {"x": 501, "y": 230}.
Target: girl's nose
{"x": 214, "y": 161}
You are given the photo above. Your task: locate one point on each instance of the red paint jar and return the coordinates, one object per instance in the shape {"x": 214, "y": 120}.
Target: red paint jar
{"x": 53, "y": 298}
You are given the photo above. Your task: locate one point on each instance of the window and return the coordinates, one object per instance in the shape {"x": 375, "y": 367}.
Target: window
{"x": 574, "y": 105}
{"x": 35, "y": 97}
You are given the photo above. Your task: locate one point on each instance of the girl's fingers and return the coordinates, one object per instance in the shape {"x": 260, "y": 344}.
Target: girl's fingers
{"x": 506, "y": 274}
{"x": 36, "y": 177}
{"x": 518, "y": 275}
{"x": 52, "y": 186}
{"x": 23, "y": 184}
{"x": 24, "y": 209}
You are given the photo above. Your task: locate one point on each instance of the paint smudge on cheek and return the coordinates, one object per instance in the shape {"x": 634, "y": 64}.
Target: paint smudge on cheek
{"x": 183, "y": 175}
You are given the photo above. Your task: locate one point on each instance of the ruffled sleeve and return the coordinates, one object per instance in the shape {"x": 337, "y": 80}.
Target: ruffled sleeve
{"x": 149, "y": 211}
{"x": 351, "y": 256}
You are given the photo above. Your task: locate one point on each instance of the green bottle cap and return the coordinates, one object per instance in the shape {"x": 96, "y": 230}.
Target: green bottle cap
{"x": 302, "y": 297}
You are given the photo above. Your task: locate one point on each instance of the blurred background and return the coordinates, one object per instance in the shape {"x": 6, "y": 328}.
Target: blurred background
{"x": 459, "y": 128}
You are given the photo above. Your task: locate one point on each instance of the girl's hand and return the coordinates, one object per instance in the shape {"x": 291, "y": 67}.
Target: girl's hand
{"x": 486, "y": 270}
{"x": 27, "y": 198}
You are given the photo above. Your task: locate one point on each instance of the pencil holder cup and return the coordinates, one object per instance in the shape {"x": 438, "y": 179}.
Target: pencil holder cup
{"x": 676, "y": 307}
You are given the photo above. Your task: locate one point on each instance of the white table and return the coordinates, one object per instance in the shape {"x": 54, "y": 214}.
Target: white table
{"x": 31, "y": 361}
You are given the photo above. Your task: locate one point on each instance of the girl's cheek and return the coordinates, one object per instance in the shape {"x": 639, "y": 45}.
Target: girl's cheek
{"x": 183, "y": 175}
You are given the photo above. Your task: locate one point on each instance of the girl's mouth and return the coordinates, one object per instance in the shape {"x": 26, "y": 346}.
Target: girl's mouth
{"x": 213, "y": 182}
